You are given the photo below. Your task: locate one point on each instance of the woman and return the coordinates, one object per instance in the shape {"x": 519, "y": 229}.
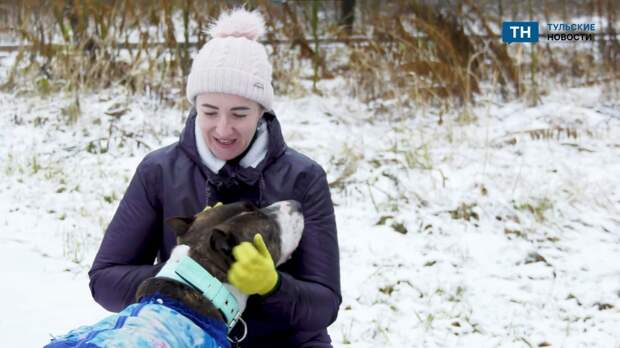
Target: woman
{"x": 230, "y": 150}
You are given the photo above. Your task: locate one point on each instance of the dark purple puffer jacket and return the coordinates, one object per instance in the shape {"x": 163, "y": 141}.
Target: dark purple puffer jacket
{"x": 172, "y": 181}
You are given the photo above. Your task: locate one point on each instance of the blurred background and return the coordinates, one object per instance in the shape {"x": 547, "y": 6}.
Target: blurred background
{"x": 442, "y": 53}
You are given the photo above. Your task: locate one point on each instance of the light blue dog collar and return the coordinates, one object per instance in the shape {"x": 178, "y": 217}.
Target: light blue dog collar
{"x": 190, "y": 272}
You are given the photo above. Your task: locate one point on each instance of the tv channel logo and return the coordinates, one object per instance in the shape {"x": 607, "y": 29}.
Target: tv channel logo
{"x": 519, "y": 32}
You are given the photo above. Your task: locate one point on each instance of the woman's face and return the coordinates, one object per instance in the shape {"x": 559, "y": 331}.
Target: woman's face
{"x": 227, "y": 122}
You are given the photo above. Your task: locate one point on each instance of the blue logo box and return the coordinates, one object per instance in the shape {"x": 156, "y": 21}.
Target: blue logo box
{"x": 519, "y": 32}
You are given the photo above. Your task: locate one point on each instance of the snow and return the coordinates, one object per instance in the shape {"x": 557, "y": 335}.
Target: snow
{"x": 509, "y": 236}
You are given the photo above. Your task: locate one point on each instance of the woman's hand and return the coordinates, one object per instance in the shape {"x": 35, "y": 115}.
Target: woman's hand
{"x": 254, "y": 271}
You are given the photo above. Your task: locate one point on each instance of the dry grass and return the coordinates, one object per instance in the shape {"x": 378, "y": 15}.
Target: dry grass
{"x": 408, "y": 51}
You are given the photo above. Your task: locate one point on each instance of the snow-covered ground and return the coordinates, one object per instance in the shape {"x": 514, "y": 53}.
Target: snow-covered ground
{"x": 503, "y": 230}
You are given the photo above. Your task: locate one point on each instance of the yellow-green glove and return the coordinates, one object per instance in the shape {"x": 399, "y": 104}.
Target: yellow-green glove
{"x": 254, "y": 271}
{"x": 209, "y": 207}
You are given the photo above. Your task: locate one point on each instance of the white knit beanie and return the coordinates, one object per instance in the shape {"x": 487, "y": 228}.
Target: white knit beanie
{"x": 233, "y": 61}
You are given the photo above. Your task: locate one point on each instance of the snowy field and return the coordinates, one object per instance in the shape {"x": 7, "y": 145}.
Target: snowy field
{"x": 494, "y": 231}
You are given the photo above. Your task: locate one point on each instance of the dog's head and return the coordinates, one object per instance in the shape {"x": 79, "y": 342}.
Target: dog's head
{"x": 211, "y": 235}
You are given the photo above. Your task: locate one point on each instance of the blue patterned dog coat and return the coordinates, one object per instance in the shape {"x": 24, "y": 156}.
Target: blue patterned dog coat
{"x": 156, "y": 321}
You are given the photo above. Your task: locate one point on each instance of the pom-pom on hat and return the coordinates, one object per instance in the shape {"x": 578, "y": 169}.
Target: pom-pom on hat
{"x": 233, "y": 61}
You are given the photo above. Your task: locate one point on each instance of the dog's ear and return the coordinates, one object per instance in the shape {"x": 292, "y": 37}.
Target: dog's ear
{"x": 223, "y": 241}
{"x": 180, "y": 225}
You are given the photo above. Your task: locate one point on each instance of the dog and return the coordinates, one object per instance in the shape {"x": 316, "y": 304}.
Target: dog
{"x": 184, "y": 306}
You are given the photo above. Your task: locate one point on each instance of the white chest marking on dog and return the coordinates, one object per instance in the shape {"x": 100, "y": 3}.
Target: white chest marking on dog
{"x": 178, "y": 252}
